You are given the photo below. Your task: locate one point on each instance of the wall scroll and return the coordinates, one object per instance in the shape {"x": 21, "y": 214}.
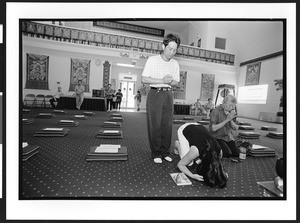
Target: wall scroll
{"x": 80, "y": 70}
{"x": 37, "y": 71}
{"x": 207, "y": 86}
{"x": 252, "y": 74}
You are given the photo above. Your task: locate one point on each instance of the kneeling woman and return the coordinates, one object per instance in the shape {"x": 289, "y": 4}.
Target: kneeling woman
{"x": 196, "y": 142}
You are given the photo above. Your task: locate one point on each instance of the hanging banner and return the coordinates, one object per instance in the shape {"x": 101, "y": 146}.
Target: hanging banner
{"x": 37, "y": 71}
{"x": 80, "y": 70}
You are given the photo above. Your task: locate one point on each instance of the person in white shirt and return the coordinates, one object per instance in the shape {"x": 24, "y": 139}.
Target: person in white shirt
{"x": 161, "y": 72}
{"x": 56, "y": 97}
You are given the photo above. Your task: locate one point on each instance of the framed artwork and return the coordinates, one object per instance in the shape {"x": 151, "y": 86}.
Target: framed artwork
{"x": 179, "y": 90}
{"x": 80, "y": 70}
{"x": 252, "y": 74}
{"x": 37, "y": 71}
{"x": 207, "y": 86}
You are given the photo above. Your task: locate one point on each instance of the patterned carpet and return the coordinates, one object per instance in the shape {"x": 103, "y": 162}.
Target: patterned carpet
{"x": 60, "y": 170}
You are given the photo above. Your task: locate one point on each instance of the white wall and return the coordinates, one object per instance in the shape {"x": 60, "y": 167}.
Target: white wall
{"x": 198, "y": 30}
{"x": 270, "y": 70}
{"x": 224, "y": 74}
{"x": 60, "y": 68}
{"x": 60, "y": 54}
{"x": 245, "y": 40}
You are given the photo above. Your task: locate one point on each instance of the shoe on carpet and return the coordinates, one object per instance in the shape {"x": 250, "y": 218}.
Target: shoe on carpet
{"x": 167, "y": 158}
{"x": 157, "y": 160}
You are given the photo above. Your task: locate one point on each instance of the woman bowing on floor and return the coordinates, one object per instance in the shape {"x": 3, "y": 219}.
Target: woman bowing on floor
{"x": 195, "y": 143}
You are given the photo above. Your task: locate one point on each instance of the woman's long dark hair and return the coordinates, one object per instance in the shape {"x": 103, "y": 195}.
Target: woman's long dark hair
{"x": 211, "y": 167}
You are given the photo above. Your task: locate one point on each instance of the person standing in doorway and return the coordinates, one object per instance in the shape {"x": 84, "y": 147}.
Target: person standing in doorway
{"x": 161, "y": 72}
{"x": 79, "y": 89}
{"x": 138, "y": 99}
{"x": 109, "y": 94}
{"x": 119, "y": 96}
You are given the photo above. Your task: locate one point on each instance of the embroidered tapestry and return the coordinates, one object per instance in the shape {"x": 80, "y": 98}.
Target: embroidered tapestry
{"x": 80, "y": 70}
{"x": 207, "y": 86}
{"x": 179, "y": 90}
{"x": 252, "y": 74}
{"x": 106, "y": 74}
{"x": 37, "y": 71}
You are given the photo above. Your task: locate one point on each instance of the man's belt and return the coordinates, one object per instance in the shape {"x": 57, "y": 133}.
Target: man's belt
{"x": 161, "y": 88}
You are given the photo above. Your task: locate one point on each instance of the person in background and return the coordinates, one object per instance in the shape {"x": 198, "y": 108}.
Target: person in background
{"x": 209, "y": 106}
{"x": 161, "y": 72}
{"x": 195, "y": 143}
{"x": 109, "y": 95}
{"x": 138, "y": 99}
{"x": 79, "y": 90}
{"x": 222, "y": 126}
{"x": 119, "y": 96}
{"x": 199, "y": 109}
{"x": 56, "y": 97}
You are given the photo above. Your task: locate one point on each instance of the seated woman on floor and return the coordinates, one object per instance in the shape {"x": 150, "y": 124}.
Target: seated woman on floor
{"x": 196, "y": 142}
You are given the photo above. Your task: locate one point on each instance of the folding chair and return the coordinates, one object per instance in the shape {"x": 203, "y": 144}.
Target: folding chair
{"x": 40, "y": 100}
{"x": 47, "y": 100}
{"x": 29, "y": 100}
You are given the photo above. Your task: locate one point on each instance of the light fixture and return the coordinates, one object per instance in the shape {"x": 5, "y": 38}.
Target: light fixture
{"x": 124, "y": 65}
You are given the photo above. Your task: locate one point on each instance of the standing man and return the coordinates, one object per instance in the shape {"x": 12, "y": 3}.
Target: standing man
{"x": 161, "y": 72}
{"x": 222, "y": 125}
{"x": 109, "y": 94}
{"x": 79, "y": 89}
{"x": 209, "y": 106}
{"x": 138, "y": 99}
{"x": 119, "y": 96}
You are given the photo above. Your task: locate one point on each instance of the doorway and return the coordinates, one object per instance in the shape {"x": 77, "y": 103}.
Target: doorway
{"x": 127, "y": 89}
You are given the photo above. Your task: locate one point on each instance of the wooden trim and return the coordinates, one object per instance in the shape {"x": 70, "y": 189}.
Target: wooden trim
{"x": 262, "y": 58}
{"x": 129, "y": 27}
